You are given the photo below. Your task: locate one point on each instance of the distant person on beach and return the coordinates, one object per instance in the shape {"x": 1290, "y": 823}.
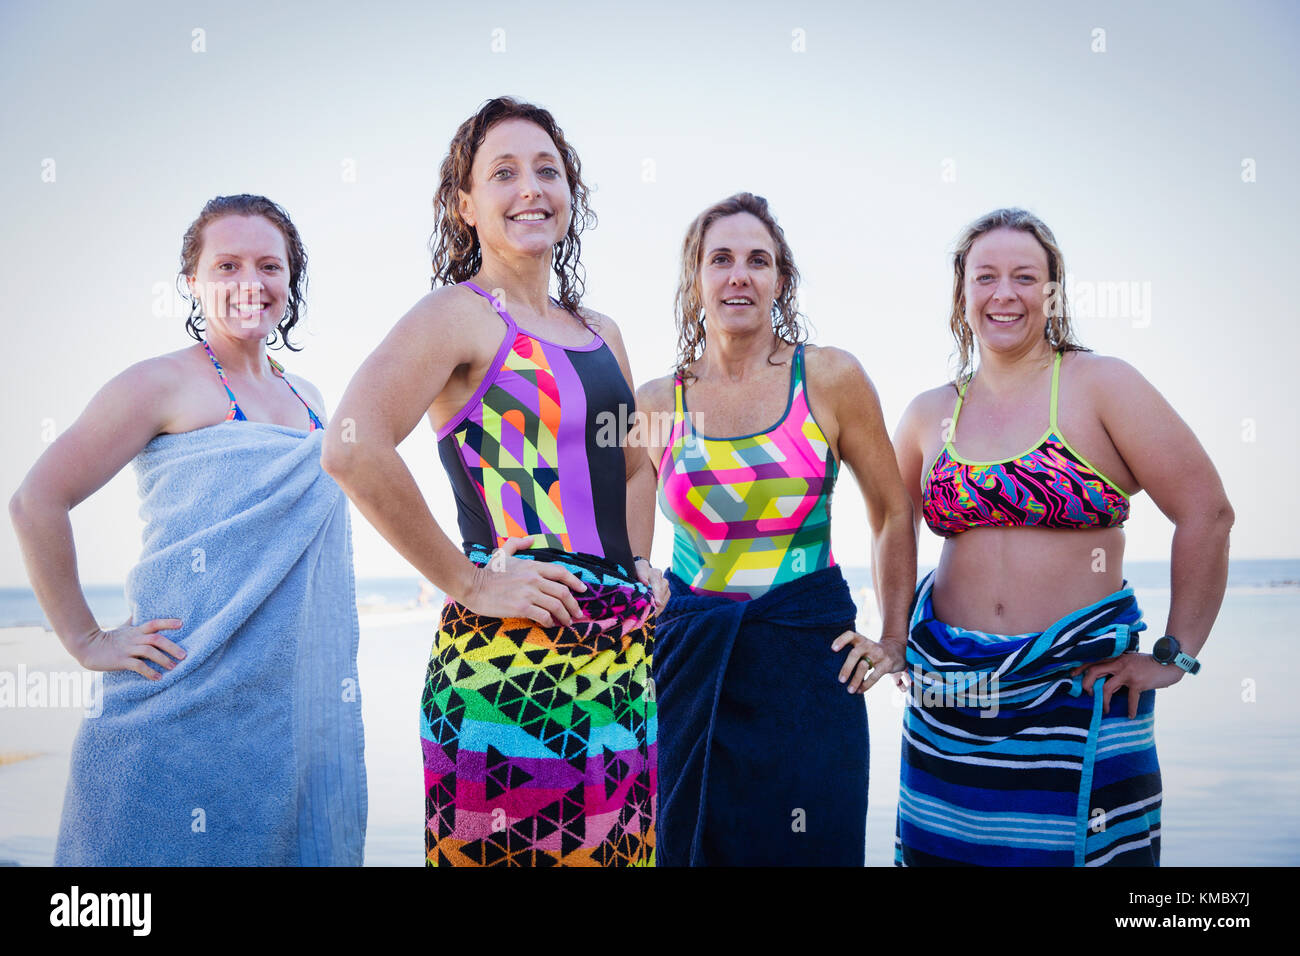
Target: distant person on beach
{"x": 537, "y": 720}
{"x": 231, "y": 725}
{"x": 763, "y": 754}
{"x": 427, "y": 594}
{"x": 1028, "y": 736}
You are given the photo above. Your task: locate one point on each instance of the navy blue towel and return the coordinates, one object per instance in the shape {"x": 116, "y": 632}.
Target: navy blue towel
{"x": 762, "y": 751}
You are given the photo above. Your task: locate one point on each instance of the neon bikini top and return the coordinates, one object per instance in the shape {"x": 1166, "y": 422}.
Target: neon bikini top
{"x": 236, "y": 414}
{"x": 1049, "y": 486}
{"x": 751, "y": 512}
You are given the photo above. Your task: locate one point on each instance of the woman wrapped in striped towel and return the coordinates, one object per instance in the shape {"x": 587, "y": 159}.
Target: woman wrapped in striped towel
{"x": 1028, "y": 737}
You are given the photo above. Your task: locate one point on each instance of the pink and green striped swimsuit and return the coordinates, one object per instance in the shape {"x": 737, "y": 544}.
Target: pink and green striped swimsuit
{"x": 751, "y": 512}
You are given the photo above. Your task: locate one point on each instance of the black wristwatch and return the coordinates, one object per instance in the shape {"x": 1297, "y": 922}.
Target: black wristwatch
{"x": 1167, "y": 651}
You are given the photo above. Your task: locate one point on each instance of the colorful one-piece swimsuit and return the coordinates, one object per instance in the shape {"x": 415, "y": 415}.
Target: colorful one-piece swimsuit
{"x": 236, "y": 414}
{"x": 539, "y": 742}
{"x": 752, "y": 512}
{"x": 764, "y": 755}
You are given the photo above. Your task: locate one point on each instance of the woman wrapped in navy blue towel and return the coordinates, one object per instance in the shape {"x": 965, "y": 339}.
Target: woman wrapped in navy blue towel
{"x": 763, "y": 746}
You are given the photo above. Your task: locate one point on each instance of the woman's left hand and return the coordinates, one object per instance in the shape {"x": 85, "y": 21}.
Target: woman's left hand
{"x": 868, "y": 660}
{"x": 1137, "y": 672}
{"x": 654, "y": 579}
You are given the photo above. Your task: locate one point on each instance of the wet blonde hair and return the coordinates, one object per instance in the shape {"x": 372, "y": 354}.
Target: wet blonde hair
{"x": 1058, "y": 332}
{"x": 786, "y": 320}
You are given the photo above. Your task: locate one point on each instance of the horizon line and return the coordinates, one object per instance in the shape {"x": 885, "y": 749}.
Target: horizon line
{"x": 415, "y": 575}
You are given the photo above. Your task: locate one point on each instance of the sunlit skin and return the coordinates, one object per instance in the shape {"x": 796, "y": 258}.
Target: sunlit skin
{"x": 241, "y": 281}
{"x": 1022, "y": 580}
{"x": 1006, "y": 275}
{"x": 737, "y": 391}
{"x": 242, "y": 262}
{"x": 990, "y": 578}
{"x": 517, "y": 171}
{"x": 437, "y": 355}
{"x": 738, "y": 261}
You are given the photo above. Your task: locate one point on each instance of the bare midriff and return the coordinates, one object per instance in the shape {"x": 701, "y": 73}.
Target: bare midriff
{"x": 1023, "y": 580}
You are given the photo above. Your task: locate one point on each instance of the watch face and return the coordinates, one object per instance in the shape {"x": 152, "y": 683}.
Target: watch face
{"x": 1165, "y": 649}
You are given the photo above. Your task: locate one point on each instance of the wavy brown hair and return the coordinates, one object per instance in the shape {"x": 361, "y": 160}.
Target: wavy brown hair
{"x": 1058, "y": 331}
{"x": 787, "y": 323}
{"x": 454, "y": 243}
{"x": 246, "y": 204}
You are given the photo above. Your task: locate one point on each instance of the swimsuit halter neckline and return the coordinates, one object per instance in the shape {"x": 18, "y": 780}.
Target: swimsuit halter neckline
{"x": 235, "y": 413}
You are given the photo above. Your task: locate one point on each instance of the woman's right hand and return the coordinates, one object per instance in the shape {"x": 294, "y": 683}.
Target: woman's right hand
{"x": 515, "y": 587}
{"x": 128, "y": 646}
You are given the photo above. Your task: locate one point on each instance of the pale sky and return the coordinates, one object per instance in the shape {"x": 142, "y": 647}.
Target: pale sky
{"x": 1162, "y": 152}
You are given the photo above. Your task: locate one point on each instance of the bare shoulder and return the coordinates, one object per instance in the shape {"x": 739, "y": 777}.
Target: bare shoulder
{"x": 143, "y": 400}
{"x": 600, "y": 323}
{"x": 836, "y": 378}
{"x": 167, "y": 383}
{"x": 929, "y": 407}
{"x": 607, "y": 329}
{"x": 836, "y": 367}
{"x": 656, "y": 394}
{"x": 445, "y": 328}
{"x": 1106, "y": 379}
{"x": 447, "y": 308}
{"x": 937, "y": 399}
{"x": 155, "y": 378}
{"x": 1101, "y": 370}
{"x": 308, "y": 391}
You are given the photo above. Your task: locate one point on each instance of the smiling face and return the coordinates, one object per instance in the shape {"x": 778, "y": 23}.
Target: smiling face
{"x": 519, "y": 198}
{"x": 242, "y": 276}
{"x": 737, "y": 276}
{"x": 1006, "y": 270}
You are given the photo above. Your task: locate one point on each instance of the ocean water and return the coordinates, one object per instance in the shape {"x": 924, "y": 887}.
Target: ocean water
{"x": 1227, "y": 738}
{"x": 19, "y": 608}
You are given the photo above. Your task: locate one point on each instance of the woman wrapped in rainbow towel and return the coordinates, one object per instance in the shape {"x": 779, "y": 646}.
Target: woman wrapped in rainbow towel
{"x": 1005, "y": 760}
{"x": 537, "y": 718}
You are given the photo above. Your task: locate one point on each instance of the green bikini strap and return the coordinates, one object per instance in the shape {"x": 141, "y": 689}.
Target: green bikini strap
{"x": 1056, "y": 387}
{"x": 956, "y": 410}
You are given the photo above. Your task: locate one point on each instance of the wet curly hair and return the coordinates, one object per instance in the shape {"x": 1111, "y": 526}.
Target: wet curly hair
{"x": 454, "y": 244}
{"x": 246, "y": 204}
{"x": 787, "y": 323}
